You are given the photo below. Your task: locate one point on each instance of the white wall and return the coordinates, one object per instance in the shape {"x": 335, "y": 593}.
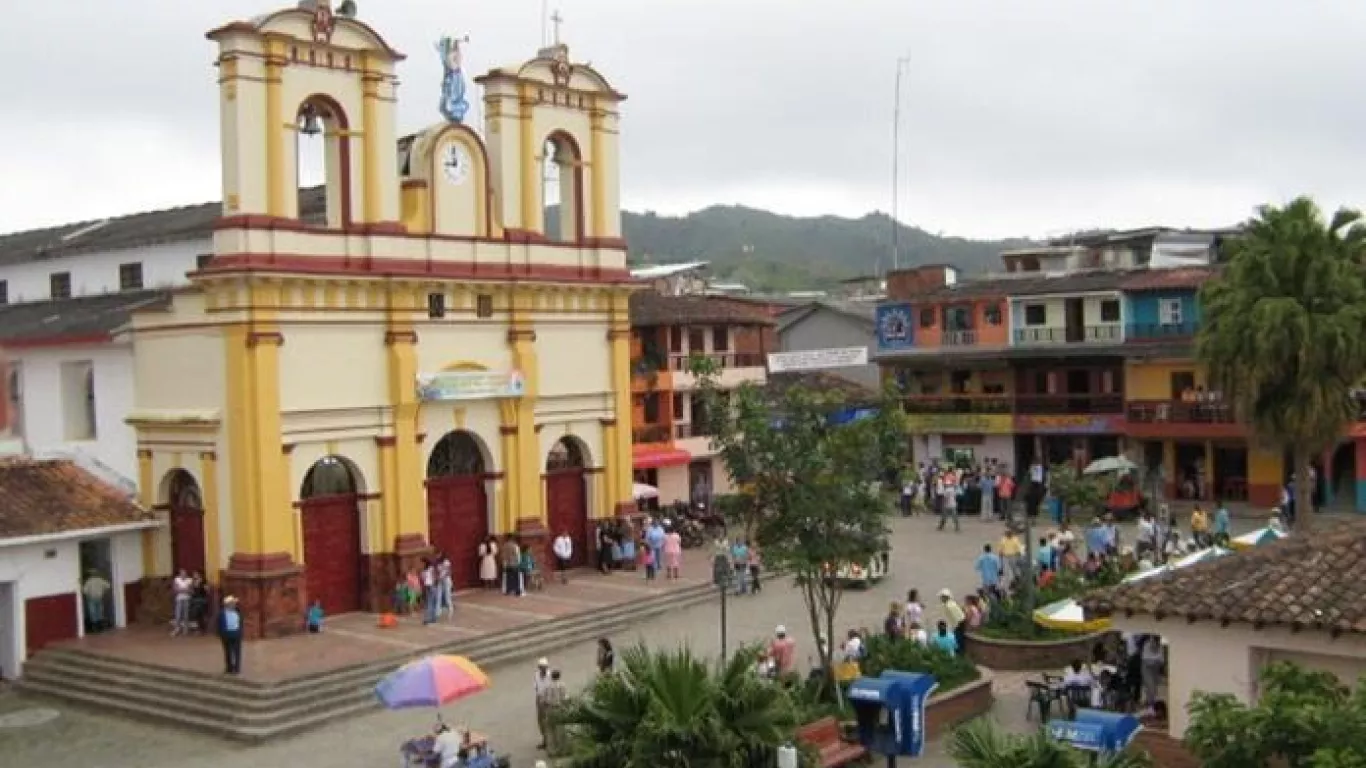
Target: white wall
{"x": 44, "y": 418}
{"x": 998, "y": 447}
{"x": 98, "y": 272}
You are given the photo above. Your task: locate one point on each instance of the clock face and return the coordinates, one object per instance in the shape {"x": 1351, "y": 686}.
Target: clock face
{"x": 455, "y": 164}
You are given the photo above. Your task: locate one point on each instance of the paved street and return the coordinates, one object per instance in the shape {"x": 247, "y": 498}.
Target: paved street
{"x": 922, "y": 558}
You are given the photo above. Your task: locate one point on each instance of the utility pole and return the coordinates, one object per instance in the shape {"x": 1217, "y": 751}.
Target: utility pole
{"x": 901, "y": 65}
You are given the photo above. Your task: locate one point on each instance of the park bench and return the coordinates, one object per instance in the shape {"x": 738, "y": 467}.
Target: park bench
{"x": 824, "y": 736}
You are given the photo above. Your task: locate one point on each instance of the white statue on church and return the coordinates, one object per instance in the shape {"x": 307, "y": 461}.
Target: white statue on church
{"x": 453, "y": 105}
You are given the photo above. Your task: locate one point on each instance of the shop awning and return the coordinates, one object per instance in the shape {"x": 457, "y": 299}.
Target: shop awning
{"x": 660, "y": 457}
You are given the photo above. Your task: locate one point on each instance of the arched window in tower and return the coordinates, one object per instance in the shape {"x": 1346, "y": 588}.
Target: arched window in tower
{"x": 322, "y": 155}
{"x": 561, "y": 190}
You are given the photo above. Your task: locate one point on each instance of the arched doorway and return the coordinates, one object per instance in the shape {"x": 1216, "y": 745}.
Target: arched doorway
{"x": 457, "y": 504}
{"x": 329, "y": 504}
{"x": 186, "y": 506}
{"x": 566, "y": 494}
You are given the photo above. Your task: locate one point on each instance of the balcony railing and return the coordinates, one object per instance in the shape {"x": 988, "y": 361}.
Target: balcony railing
{"x": 965, "y": 338}
{"x": 1160, "y": 331}
{"x": 685, "y": 431}
{"x": 722, "y": 360}
{"x": 958, "y": 404}
{"x": 1062, "y": 404}
{"x": 1180, "y": 412}
{"x": 652, "y": 433}
{"x": 1077, "y": 334}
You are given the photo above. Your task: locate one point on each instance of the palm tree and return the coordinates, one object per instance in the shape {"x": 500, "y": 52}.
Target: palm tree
{"x": 671, "y": 709}
{"x": 981, "y": 744}
{"x": 1282, "y": 335}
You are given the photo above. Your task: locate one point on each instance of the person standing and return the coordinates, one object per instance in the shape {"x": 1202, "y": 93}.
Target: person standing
{"x": 230, "y": 634}
{"x": 956, "y": 618}
{"x": 783, "y": 651}
{"x": 989, "y": 568}
{"x": 512, "y": 567}
{"x": 182, "y": 588}
{"x": 445, "y": 585}
{"x": 541, "y": 688}
{"x": 1011, "y": 550}
{"x": 739, "y": 558}
{"x": 673, "y": 553}
{"x": 93, "y": 593}
{"x": 431, "y": 597}
{"x": 555, "y": 697}
{"x": 607, "y": 656}
{"x": 488, "y": 562}
{"x": 654, "y": 539}
{"x": 986, "y": 484}
{"x": 948, "y": 504}
{"x": 604, "y": 549}
{"x": 1221, "y": 524}
{"x": 755, "y": 565}
{"x": 563, "y": 547}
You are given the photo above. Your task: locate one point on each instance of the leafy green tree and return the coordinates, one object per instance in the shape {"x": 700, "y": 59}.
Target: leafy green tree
{"x": 811, "y": 492}
{"x": 982, "y": 744}
{"x": 1302, "y": 719}
{"x": 672, "y": 709}
{"x": 1282, "y": 336}
{"x": 1078, "y": 493}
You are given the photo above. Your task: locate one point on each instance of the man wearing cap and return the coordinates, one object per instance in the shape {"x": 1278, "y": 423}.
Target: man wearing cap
{"x": 957, "y": 619}
{"x": 543, "y": 686}
{"x": 230, "y": 633}
{"x": 783, "y": 651}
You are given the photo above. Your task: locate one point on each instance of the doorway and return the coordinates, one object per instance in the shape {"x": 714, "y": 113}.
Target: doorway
{"x": 1074, "y": 314}
{"x": 97, "y": 608}
{"x": 9, "y": 631}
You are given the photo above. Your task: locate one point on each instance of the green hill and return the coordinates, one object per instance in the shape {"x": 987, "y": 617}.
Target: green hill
{"x": 767, "y": 251}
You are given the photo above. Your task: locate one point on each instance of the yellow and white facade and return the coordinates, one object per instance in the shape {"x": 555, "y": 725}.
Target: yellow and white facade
{"x": 285, "y": 382}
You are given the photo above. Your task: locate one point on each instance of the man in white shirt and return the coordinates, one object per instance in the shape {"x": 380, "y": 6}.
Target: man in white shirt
{"x": 541, "y": 686}
{"x": 447, "y": 746}
{"x": 563, "y": 547}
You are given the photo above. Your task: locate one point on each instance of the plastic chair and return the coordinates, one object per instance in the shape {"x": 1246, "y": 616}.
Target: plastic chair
{"x": 1041, "y": 696}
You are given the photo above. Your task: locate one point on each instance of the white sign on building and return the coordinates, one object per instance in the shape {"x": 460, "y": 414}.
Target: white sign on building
{"x": 817, "y": 359}
{"x": 469, "y": 385}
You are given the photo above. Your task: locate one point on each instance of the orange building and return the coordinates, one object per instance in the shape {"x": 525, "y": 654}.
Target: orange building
{"x": 671, "y": 448}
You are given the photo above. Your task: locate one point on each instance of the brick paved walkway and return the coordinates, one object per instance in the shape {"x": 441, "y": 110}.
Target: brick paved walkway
{"x": 356, "y": 638}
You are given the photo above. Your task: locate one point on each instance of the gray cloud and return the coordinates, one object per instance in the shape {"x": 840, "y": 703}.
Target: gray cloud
{"x": 1019, "y": 117}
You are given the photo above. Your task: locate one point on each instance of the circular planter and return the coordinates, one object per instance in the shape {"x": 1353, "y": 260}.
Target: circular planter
{"x": 1032, "y": 654}
{"x": 946, "y": 709}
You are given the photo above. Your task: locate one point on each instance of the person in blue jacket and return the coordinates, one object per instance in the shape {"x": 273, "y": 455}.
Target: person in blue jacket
{"x": 230, "y": 633}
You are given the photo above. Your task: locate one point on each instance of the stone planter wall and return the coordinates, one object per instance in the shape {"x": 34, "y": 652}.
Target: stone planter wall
{"x": 1030, "y": 654}
{"x": 1165, "y": 751}
{"x": 947, "y": 709}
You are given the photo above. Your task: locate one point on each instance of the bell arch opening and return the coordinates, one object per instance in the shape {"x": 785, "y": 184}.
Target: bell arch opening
{"x": 562, "y": 188}
{"x": 322, "y": 162}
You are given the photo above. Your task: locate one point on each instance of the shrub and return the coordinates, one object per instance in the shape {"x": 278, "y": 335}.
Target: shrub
{"x": 886, "y": 652}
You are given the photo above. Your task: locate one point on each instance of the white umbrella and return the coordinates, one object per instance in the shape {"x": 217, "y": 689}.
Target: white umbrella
{"x": 1110, "y": 464}
{"x": 1191, "y": 559}
{"x": 643, "y": 491}
{"x": 1068, "y": 615}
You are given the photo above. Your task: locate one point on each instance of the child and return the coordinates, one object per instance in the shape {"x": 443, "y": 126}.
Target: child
{"x": 400, "y": 598}
{"x": 315, "y": 617}
{"x": 647, "y": 557}
{"x": 413, "y": 589}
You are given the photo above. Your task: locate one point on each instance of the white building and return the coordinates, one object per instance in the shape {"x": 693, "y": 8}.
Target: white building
{"x": 58, "y": 526}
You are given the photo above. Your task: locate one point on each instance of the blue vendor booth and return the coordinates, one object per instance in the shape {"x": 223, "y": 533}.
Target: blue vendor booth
{"x": 890, "y": 710}
{"x": 1095, "y": 730}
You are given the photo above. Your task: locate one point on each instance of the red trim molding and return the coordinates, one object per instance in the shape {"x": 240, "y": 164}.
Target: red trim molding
{"x": 72, "y": 340}
{"x": 393, "y": 267}
{"x": 385, "y": 441}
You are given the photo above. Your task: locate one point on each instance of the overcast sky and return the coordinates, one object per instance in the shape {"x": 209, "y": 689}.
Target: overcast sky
{"x": 1019, "y": 117}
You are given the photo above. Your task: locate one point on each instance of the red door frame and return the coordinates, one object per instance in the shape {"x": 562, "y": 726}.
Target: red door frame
{"x": 566, "y": 504}
{"x": 464, "y": 498}
{"x": 338, "y": 583}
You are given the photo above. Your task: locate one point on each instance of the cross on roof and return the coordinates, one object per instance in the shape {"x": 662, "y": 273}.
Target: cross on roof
{"x": 556, "y": 20}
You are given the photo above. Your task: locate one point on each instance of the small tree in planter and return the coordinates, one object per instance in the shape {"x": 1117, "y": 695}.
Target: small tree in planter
{"x": 1079, "y": 494}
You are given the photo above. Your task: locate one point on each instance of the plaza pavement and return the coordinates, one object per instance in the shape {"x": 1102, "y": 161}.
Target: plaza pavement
{"x": 922, "y": 558}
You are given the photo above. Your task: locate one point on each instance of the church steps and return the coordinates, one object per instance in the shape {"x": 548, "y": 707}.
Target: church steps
{"x": 256, "y": 711}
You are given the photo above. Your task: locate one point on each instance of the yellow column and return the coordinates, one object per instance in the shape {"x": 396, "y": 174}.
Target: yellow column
{"x": 263, "y": 523}
{"x": 370, "y": 81}
{"x": 147, "y": 497}
{"x": 531, "y": 164}
{"x": 597, "y": 173}
{"x": 617, "y": 434}
{"x": 524, "y": 445}
{"x": 404, "y": 499}
{"x": 511, "y": 498}
{"x": 279, "y": 187}
{"x": 213, "y": 551}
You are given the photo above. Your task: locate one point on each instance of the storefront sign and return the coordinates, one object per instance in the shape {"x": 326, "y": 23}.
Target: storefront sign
{"x": 1069, "y": 425}
{"x": 469, "y": 385}
{"x": 959, "y": 423}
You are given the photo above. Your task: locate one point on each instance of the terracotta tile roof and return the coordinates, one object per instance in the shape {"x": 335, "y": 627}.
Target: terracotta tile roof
{"x": 821, "y": 381}
{"x": 49, "y": 496}
{"x": 172, "y": 225}
{"x": 86, "y": 318}
{"x": 1162, "y": 279}
{"x": 1075, "y": 282}
{"x": 1313, "y": 581}
{"x": 649, "y": 308}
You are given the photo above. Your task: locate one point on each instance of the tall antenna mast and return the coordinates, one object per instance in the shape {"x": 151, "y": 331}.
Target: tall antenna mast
{"x": 545, "y": 23}
{"x": 901, "y": 65}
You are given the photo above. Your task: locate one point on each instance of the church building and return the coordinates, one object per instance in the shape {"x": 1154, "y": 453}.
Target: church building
{"x": 412, "y": 358}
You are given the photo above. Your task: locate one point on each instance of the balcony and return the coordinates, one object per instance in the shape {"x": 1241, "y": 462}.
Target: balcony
{"x": 1179, "y": 412}
{"x": 650, "y": 433}
{"x": 1104, "y": 333}
{"x": 985, "y": 404}
{"x": 735, "y": 369}
{"x": 1070, "y": 404}
{"x": 1161, "y": 331}
{"x": 964, "y": 338}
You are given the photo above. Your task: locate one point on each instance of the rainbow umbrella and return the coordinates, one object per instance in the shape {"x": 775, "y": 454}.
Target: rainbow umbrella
{"x": 431, "y": 682}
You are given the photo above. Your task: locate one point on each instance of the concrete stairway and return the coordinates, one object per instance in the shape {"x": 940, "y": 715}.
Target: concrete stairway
{"x": 253, "y": 712}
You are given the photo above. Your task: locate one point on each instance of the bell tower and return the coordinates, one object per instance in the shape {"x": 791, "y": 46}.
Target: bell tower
{"x": 302, "y": 72}
{"x": 551, "y": 128}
